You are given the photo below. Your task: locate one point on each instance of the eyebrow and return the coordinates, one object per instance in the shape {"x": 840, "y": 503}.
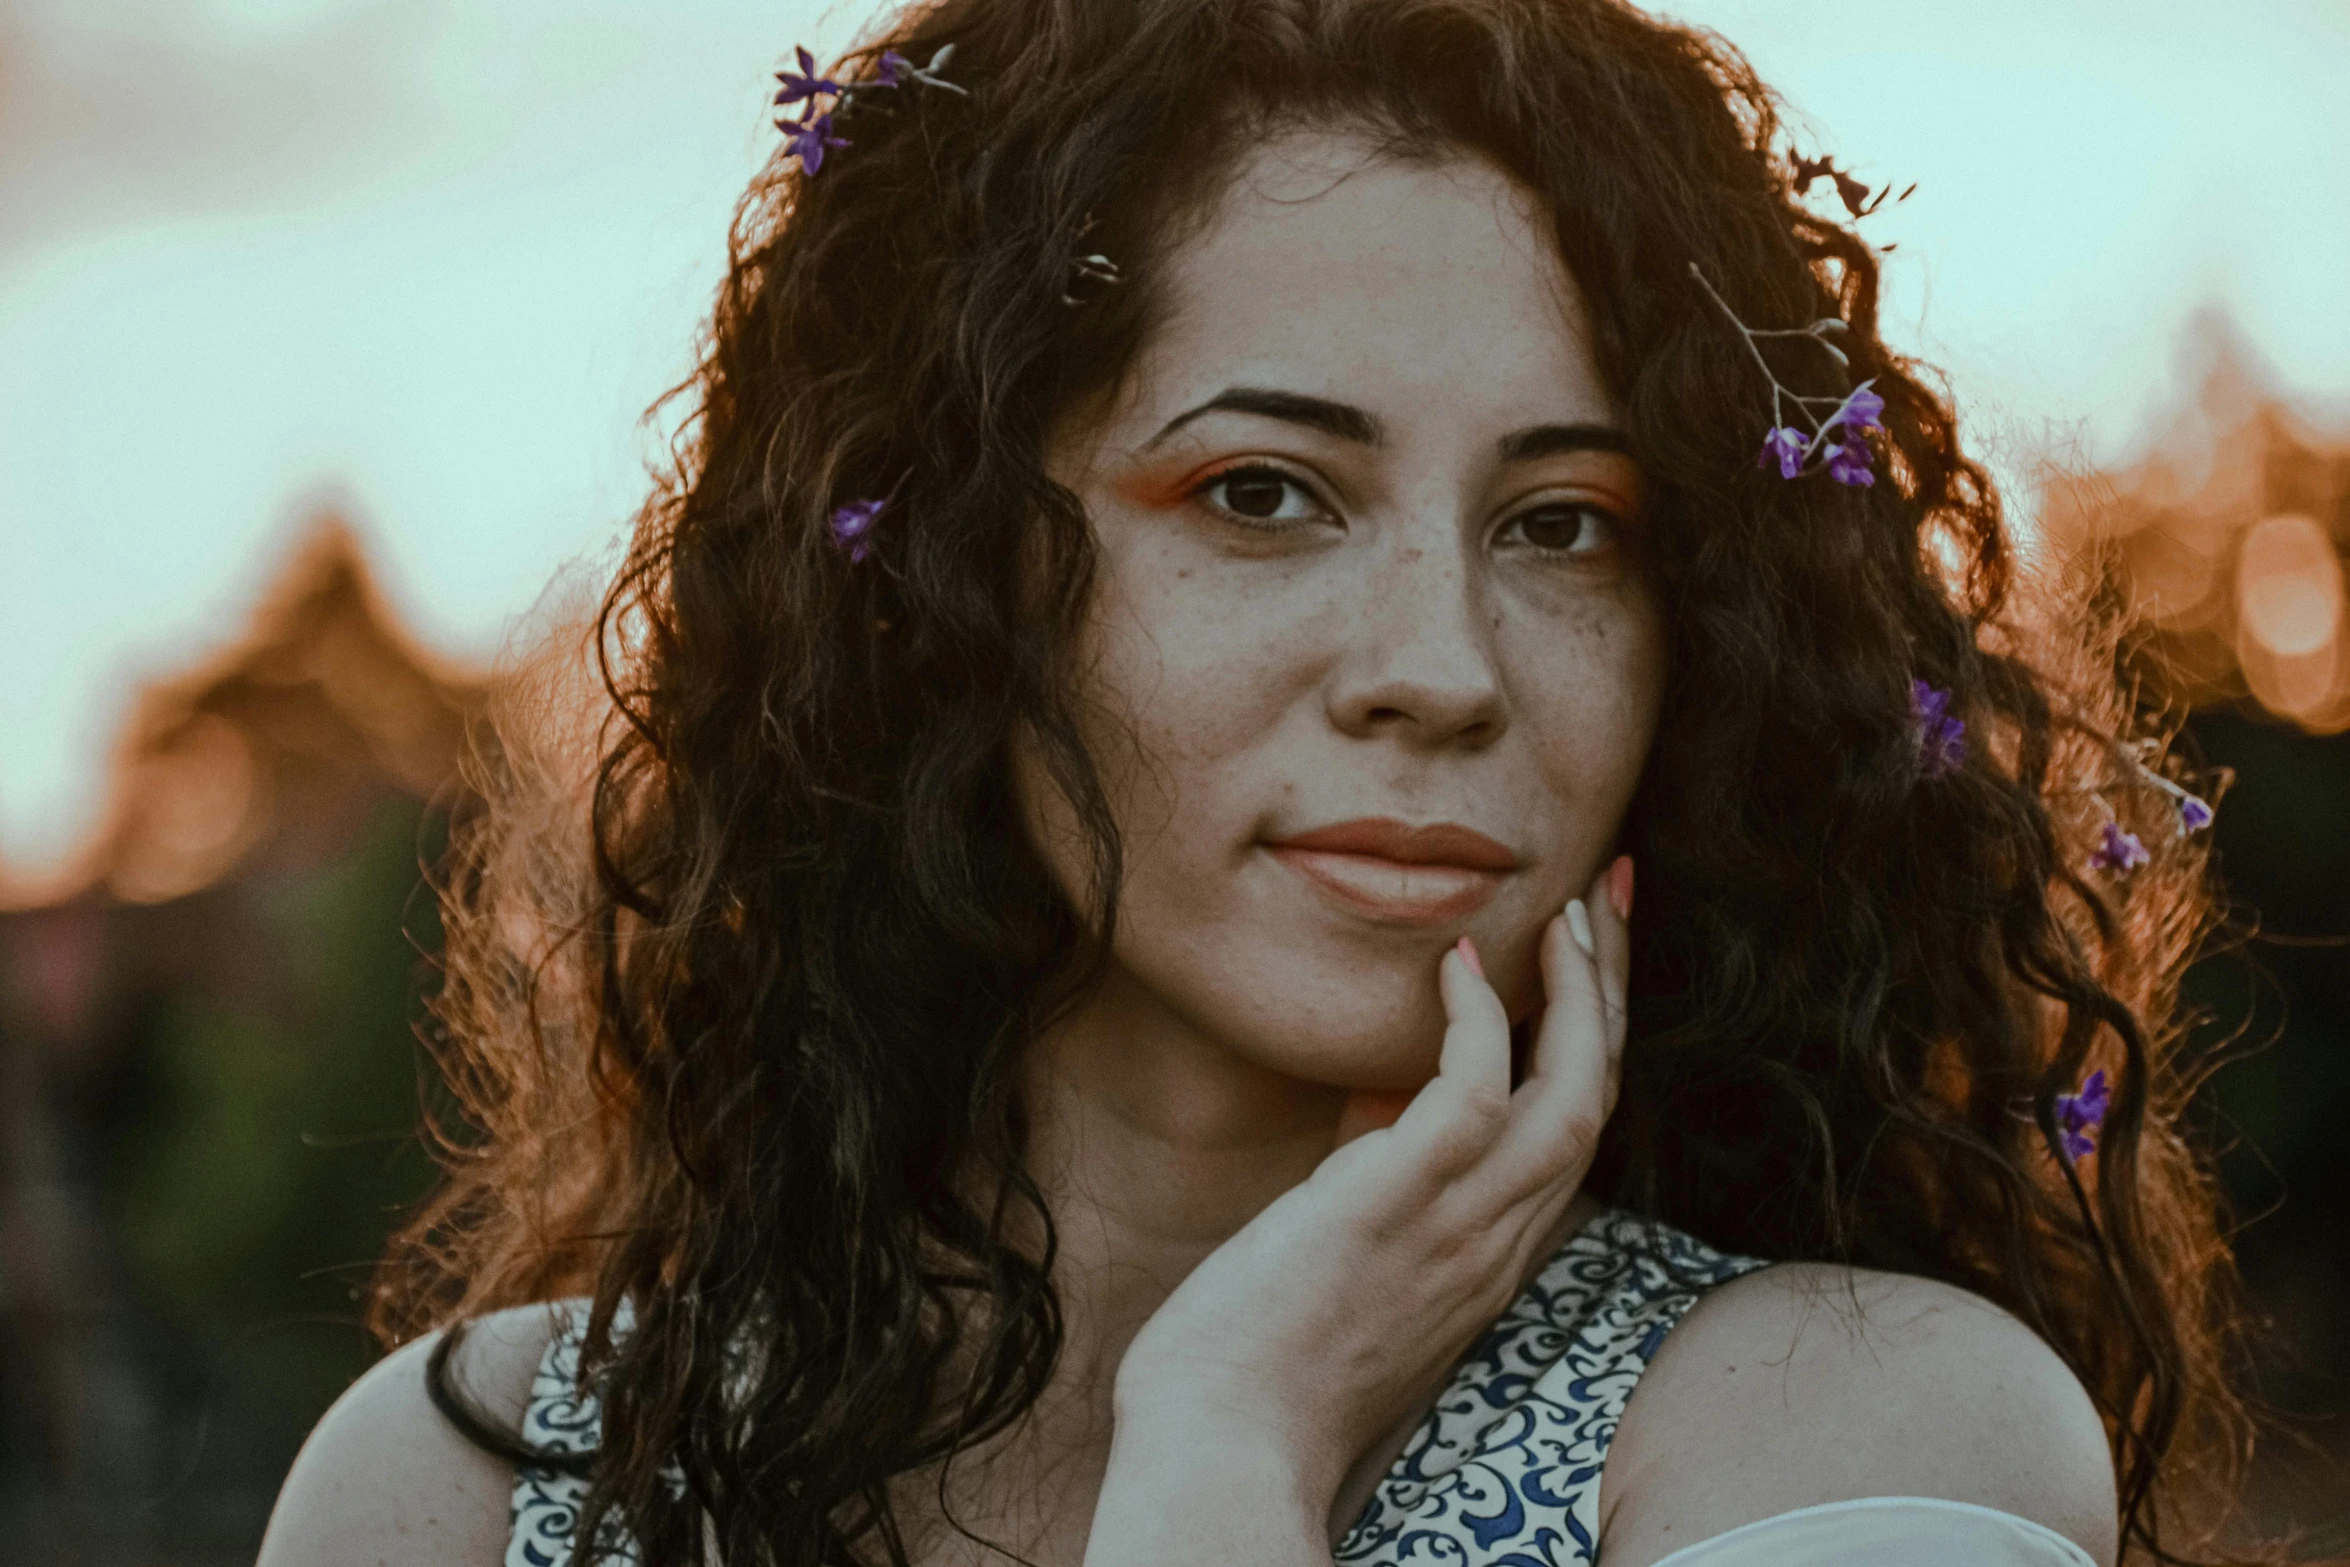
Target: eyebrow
{"x": 1346, "y": 422}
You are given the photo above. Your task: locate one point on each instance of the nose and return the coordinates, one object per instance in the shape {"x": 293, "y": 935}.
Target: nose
{"x": 1419, "y": 664}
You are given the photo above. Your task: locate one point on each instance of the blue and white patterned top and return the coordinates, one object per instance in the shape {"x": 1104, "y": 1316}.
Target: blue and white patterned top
{"x": 1504, "y": 1472}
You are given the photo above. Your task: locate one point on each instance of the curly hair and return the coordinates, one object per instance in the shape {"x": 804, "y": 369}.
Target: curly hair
{"x": 734, "y": 1006}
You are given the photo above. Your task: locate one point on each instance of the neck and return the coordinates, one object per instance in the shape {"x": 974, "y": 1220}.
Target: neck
{"x": 1153, "y": 1143}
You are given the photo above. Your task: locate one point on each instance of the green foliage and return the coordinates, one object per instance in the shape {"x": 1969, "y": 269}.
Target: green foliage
{"x": 275, "y": 1144}
{"x": 2282, "y": 998}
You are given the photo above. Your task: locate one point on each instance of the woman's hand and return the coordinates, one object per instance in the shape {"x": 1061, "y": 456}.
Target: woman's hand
{"x": 1314, "y": 1329}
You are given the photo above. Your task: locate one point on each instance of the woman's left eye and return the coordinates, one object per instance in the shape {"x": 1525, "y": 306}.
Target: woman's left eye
{"x": 1571, "y": 528}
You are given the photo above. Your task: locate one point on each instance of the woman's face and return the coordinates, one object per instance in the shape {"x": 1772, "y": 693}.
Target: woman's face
{"x": 1372, "y": 661}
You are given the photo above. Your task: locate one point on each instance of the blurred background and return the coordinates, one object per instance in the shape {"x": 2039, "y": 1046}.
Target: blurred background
{"x": 325, "y": 330}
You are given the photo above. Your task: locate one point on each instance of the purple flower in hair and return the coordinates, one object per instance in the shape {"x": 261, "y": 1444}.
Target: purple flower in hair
{"x": 2118, "y": 851}
{"x": 1848, "y": 459}
{"x": 803, "y": 83}
{"x": 808, "y": 140}
{"x": 1860, "y": 409}
{"x": 852, "y": 527}
{"x": 2079, "y": 1115}
{"x": 1788, "y": 445}
{"x": 895, "y": 68}
{"x": 2194, "y": 815}
{"x": 1941, "y": 738}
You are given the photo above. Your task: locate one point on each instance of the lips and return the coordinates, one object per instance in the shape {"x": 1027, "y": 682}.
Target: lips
{"x": 1397, "y": 873}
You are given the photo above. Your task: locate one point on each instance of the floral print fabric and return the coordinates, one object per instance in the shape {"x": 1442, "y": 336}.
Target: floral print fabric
{"x": 1505, "y": 1470}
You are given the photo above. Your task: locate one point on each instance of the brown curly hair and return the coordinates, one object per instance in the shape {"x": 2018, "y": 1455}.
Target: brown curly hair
{"x": 733, "y": 1018}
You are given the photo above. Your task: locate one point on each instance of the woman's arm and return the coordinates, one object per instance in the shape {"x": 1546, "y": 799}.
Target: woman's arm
{"x": 386, "y": 1481}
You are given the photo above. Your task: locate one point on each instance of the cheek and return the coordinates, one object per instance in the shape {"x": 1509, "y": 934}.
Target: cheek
{"x": 1587, "y": 687}
{"x": 1188, "y": 675}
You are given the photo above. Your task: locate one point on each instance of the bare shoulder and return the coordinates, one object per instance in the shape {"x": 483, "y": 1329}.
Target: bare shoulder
{"x": 386, "y": 1481}
{"x": 1806, "y": 1383}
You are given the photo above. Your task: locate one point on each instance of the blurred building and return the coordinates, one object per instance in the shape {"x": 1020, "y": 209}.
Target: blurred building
{"x": 2226, "y": 543}
{"x": 185, "y": 1006}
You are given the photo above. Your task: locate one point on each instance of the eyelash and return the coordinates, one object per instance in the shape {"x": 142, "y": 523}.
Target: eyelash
{"x": 1272, "y": 525}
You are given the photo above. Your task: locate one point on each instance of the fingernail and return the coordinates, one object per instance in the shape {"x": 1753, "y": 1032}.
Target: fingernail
{"x": 1579, "y": 926}
{"x": 1468, "y": 951}
{"x": 1619, "y": 886}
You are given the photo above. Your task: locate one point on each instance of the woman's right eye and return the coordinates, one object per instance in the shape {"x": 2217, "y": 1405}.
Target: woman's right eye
{"x": 1253, "y": 496}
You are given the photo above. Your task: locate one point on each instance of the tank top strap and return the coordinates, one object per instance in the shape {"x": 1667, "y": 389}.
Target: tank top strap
{"x": 562, "y": 1417}
{"x": 1506, "y": 1467}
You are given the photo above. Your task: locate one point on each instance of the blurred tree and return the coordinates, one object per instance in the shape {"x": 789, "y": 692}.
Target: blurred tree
{"x": 253, "y": 1179}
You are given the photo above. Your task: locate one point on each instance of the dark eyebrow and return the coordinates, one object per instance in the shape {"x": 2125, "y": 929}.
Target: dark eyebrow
{"x": 1343, "y": 420}
{"x": 1349, "y": 423}
{"x": 1549, "y": 440}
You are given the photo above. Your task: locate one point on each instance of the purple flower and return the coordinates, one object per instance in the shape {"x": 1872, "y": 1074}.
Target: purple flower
{"x": 2078, "y": 1115}
{"x": 852, "y": 527}
{"x": 2194, "y": 815}
{"x": 1848, "y": 459}
{"x": 1941, "y": 738}
{"x": 1860, "y": 409}
{"x": 807, "y": 141}
{"x": 1788, "y": 445}
{"x": 803, "y": 83}
{"x": 2119, "y": 851}
{"x": 895, "y": 68}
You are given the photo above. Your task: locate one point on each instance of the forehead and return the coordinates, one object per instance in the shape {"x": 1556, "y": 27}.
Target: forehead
{"x": 1417, "y": 290}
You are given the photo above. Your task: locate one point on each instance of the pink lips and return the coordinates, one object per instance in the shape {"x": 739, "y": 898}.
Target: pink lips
{"x": 1399, "y": 873}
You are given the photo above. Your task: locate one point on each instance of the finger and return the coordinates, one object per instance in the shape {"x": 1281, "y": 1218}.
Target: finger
{"x": 1477, "y": 1033}
{"x": 1473, "y": 1069}
{"x": 1611, "y": 928}
{"x": 1567, "y": 1095}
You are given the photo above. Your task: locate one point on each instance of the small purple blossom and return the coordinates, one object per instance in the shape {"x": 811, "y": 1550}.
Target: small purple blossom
{"x": 808, "y": 140}
{"x": 2079, "y": 1115}
{"x": 1860, "y": 409}
{"x": 1788, "y": 445}
{"x": 2118, "y": 851}
{"x": 2194, "y": 814}
{"x": 852, "y": 527}
{"x": 1941, "y": 738}
{"x": 803, "y": 83}
{"x": 1848, "y": 459}
{"x": 895, "y": 68}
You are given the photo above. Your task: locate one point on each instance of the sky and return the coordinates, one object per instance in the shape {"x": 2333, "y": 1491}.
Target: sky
{"x": 429, "y": 261}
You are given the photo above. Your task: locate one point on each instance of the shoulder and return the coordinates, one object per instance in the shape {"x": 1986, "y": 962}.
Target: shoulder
{"x": 386, "y": 1481}
{"x": 1805, "y": 1383}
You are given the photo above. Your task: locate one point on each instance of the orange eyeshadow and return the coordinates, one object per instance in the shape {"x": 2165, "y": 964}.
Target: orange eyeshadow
{"x": 1157, "y": 489}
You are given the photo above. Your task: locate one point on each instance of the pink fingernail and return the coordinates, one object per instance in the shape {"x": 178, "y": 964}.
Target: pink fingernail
{"x": 1619, "y": 886}
{"x": 1468, "y": 951}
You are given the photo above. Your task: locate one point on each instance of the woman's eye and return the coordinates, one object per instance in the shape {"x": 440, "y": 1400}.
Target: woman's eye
{"x": 1254, "y": 495}
{"x": 1579, "y": 529}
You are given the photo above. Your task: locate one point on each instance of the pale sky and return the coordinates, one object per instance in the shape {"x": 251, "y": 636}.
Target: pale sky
{"x": 434, "y": 259}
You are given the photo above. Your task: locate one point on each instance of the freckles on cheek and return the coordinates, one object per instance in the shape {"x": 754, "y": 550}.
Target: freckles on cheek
{"x": 1593, "y": 693}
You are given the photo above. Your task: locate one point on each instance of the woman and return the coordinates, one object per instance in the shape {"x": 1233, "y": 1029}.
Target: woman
{"x": 1098, "y": 1015}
